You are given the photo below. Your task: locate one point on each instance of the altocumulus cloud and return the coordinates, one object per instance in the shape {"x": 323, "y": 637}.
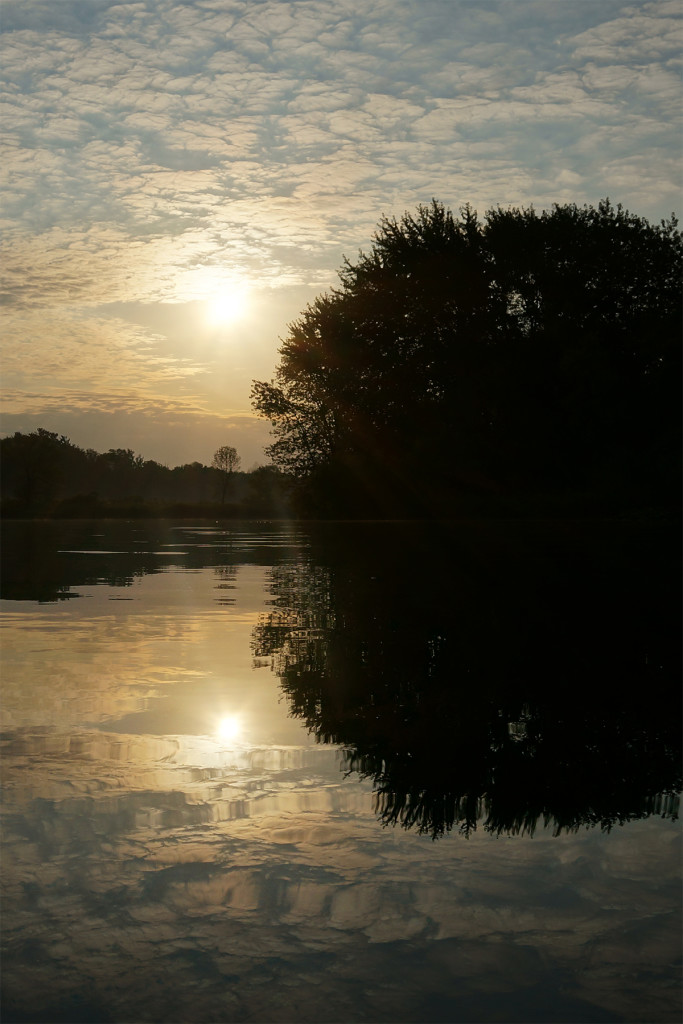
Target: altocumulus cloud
{"x": 150, "y": 145}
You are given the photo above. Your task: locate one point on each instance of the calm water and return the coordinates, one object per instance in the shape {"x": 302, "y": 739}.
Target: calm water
{"x": 268, "y": 772}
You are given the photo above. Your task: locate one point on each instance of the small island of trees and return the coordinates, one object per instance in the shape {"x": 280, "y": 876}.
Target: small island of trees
{"x": 523, "y": 364}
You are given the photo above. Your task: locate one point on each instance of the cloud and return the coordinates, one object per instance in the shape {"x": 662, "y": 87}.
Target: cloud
{"x": 641, "y": 33}
{"x": 252, "y": 112}
{"x": 170, "y": 432}
{"x": 143, "y": 141}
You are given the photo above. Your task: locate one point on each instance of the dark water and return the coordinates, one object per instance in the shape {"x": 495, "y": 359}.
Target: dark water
{"x": 360, "y": 772}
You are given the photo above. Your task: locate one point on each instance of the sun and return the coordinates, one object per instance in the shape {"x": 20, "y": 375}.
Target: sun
{"x": 227, "y": 304}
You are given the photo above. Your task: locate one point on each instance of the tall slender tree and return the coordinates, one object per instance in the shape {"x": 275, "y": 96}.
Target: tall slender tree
{"x": 227, "y": 461}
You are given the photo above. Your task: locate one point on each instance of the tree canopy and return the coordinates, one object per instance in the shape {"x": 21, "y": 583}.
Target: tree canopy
{"x": 227, "y": 461}
{"x": 464, "y": 361}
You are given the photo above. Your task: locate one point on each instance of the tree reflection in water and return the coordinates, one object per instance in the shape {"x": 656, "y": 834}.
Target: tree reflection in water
{"x": 507, "y": 674}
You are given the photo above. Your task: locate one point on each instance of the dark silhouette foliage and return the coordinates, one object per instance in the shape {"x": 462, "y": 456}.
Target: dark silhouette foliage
{"x": 504, "y": 363}
{"x": 45, "y": 475}
{"x": 226, "y": 461}
{"x": 34, "y": 466}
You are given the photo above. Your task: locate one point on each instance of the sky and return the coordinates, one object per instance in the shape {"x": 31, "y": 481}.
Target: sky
{"x": 180, "y": 179}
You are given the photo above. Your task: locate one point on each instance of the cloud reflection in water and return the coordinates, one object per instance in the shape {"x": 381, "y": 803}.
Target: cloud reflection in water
{"x": 154, "y": 873}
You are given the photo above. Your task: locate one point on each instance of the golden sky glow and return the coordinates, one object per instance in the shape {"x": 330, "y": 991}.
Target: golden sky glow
{"x": 227, "y": 304}
{"x": 154, "y": 151}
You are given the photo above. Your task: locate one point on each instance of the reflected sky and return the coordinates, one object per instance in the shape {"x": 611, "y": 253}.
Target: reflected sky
{"x": 155, "y": 653}
{"x": 159, "y": 865}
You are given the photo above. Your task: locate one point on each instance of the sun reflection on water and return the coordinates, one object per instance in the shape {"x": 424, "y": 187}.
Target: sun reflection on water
{"x": 229, "y": 728}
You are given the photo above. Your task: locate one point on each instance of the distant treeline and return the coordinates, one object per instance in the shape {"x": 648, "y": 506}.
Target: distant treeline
{"x": 45, "y": 474}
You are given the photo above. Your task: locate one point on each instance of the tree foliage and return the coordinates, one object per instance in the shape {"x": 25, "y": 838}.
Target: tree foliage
{"x": 227, "y": 461}
{"x": 521, "y": 355}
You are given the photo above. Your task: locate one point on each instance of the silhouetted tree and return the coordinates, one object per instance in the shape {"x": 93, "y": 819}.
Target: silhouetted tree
{"x": 120, "y": 473}
{"x": 267, "y": 491}
{"x": 227, "y": 461}
{"x": 524, "y": 355}
{"x": 193, "y": 482}
{"x": 34, "y": 467}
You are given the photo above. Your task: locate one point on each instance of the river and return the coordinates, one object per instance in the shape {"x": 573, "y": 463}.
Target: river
{"x": 340, "y": 772}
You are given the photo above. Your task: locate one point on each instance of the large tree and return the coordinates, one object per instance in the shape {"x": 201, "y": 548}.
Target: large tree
{"x": 527, "y": 354}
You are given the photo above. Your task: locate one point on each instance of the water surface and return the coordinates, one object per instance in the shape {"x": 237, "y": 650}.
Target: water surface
{"x": 369, "y": 772}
